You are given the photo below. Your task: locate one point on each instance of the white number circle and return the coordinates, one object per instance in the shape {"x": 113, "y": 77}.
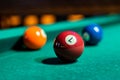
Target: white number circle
{"x": 70, "y": 39}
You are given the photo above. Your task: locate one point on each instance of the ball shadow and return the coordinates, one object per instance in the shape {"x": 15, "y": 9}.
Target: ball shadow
{"x": 90, "y": 45}
{"x": 53, "y": 61}
{"x": 19, "y": 46}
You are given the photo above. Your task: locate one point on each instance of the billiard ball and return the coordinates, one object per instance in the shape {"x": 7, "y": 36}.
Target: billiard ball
{"x": 92, "y": 34}
{"x": 34, "y": 37}
{"x": 31, "y": 20}
{"x": 68, "y": 46}
{"x": 47, "y": 19}
{"x": 15, "y": 20}
{"x": 75, "y": 17}
{"x": 5, "y": 22}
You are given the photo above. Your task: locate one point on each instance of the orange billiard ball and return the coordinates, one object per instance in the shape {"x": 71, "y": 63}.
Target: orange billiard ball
{"x": 5, "y": 23}
{"x": 75, "y": 17}
{"x": 34, "y": 37}
{"x": 47, "y": 19}
{"x": 30, "y": 20}
{"x": 15, "y": 20}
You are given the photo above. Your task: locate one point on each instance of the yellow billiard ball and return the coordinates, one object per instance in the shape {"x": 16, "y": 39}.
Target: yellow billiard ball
{"x": 34, "y": 37}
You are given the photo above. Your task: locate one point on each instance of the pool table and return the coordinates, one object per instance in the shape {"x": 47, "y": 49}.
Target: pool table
{"x": 98, "y": 62}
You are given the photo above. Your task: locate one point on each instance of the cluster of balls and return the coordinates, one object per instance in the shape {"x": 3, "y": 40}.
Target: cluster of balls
{"x": 68, "y": 45}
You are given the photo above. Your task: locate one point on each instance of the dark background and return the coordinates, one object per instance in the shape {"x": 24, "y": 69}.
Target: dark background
{"x": 59, "y": 6}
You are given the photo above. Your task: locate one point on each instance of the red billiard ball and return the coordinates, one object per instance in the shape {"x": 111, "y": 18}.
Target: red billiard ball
{"x": 68, "y": 46}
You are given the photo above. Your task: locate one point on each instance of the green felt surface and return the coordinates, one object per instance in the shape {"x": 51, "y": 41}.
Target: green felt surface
{"x": 11, "y": 36}
{"x": 100, "y": 62}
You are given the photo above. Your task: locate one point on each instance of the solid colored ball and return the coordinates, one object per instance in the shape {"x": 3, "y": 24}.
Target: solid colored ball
{"x": 75, "y": 17}
{"x": 31, "y": 20}
{"x": 68, "y": 46}
{"x": 15, "y": 20}
{"x": 5, "y": 22}
{"x": 35, "y": 37}
{"x": 47, "y": 19}
{"x": 92, "y": 34}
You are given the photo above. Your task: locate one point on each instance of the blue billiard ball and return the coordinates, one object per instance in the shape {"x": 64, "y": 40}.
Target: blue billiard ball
{"x": 92, "y": 34}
